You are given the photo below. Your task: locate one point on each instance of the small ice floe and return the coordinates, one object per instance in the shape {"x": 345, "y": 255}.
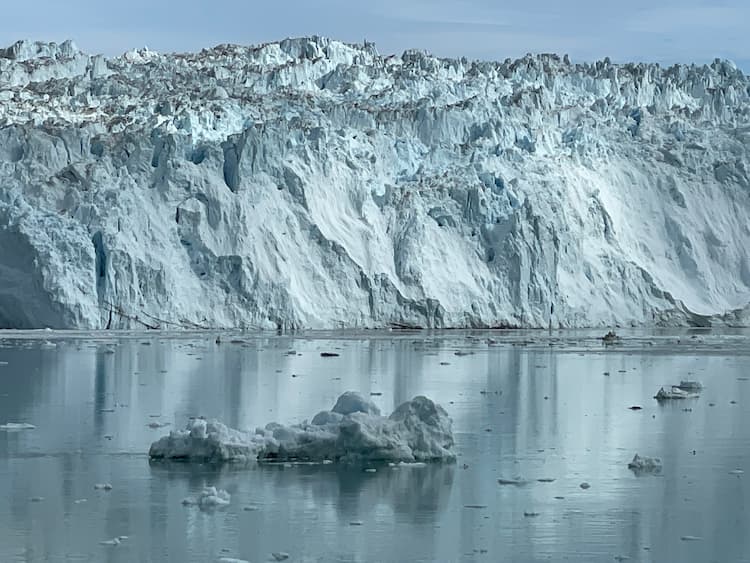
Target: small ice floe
{"x": 674, "y": 392}
{"x": 641, "y": 465}
{"x": 156, "y": 425}
{"x": 16, "y": 426}
{"x": 113, "y": 542}
{"x": 690, "y": 386}
{"x": 407, "y": 464}
{"x": 209, "y": 499}
{"x": 103, "y": 487}
{"x": 80, "y": 501}
{"x": 512, "y": 482}
{"x": 585, "y": 485}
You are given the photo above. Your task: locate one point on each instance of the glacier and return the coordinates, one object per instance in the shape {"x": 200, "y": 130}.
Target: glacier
{"x": 309, "y": 183}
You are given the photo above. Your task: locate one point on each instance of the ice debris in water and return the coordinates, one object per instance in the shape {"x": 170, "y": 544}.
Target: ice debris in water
{"x": 674, "y": 392}
{"x": 103, "y": 487}
{"x": 113, "y": 541}
{"x": 210, "y": 498}
{"x": 645, "y": 464}
{"x": 691, "y": 386}
{"x": 353, "y": 431}
{"x": 16, "y": 426}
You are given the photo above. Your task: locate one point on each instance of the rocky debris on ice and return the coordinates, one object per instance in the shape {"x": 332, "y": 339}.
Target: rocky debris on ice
{"x": 674, "y": 392}
{"x": 611, "y": 337}
{"x": 309, "y": 183}
{"x": 210, "y": 498}
{"x": 352, "y": 432}
{"x": 642, "y": 465}
{"x": 16, "y": 426}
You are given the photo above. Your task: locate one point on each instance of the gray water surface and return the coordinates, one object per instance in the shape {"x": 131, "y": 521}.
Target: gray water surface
{"x": 524, "y": 405}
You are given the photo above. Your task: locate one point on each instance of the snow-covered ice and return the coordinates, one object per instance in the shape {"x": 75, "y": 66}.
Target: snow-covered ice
{"x": 645, "y": 464}
{"x": 353, "y": 431}
{"x": 309, "y": 183}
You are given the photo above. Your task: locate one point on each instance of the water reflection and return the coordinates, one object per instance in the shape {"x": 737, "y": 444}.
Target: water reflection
{"x": 531, "y": 412}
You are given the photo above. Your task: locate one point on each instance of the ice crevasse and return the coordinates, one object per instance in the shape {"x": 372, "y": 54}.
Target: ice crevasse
{"x": 309, "y": 183}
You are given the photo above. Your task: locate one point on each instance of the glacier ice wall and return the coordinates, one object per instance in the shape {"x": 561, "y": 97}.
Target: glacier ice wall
{"x": 314, "y": 184}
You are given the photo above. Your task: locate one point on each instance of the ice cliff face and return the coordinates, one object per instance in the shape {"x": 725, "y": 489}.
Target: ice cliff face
{"x": 309, "y": 184}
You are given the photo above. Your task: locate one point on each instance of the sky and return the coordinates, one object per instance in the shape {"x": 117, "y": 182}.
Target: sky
{"x": 664, "y": 31}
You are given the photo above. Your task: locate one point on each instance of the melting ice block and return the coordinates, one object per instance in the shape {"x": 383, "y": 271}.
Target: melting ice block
{"x": 353, "y": 431}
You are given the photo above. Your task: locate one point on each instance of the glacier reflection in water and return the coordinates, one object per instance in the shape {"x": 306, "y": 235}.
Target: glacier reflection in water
{"x": 525, "y": 405}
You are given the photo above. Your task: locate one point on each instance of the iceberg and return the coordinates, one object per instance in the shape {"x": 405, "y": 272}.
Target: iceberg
{"x": 641, "y": 465}
{"x": 352, "y": 432}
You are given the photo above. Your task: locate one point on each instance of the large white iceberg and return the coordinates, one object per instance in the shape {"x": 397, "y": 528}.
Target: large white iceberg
{"x": 308, "y": 183}
{"x": 353, "y": 431}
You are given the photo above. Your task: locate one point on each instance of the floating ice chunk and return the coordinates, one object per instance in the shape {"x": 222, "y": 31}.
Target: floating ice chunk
{"x": 674, "y": 393}
{"x": 353, "y": 432}
{"x": 113, "y": 541}
{"x": 16, "y": 426}
{"x": 691, "y": 386}
{"x": 156, "y": 425}
{"x": 210, "y": 498}
{"x": 513, "y": 482}
{"x": 645, "y": 464}
{"x": 232, "y": 560}
{"x": 103, "y": 487}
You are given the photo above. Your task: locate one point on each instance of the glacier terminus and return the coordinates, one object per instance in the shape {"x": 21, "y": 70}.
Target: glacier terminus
{"x": 310, "y": 183}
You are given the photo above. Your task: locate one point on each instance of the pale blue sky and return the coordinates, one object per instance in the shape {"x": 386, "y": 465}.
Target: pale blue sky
{"x": 664, "y": 31}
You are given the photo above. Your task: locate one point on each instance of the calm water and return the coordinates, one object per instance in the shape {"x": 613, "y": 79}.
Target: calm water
{"x": 524, "y": 405}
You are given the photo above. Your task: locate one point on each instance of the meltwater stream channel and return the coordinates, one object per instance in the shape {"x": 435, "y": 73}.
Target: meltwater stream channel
{"x": 526, "y": 405}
